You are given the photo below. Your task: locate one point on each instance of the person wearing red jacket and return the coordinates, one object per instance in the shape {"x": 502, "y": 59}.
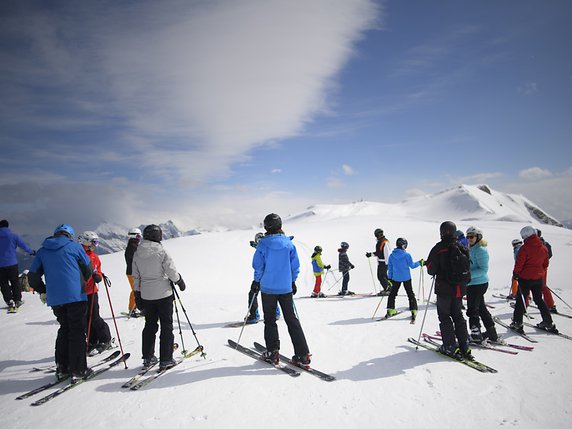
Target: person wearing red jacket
{"x": 529, "y": 269}
{"x": 98, "y": 334}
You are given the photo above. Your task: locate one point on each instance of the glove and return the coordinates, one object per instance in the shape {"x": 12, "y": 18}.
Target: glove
{"x": 328, "y": 267}
{"x": 255, "y": 286}
{"x": 33, "y": 253}
{"x": 96, "y": 277}
{"x": 138, "y": 301}
{"x": 390, "y": 283}
{"x": 368, "y": 255}
{"x": 43, "y": 298}
{"x": 421, "y": 261}
{"x": 352, "y": 266}
{"x": 515, "y": 277}
{"x": 294, "y": 288}
{"x": 181, "y": 283}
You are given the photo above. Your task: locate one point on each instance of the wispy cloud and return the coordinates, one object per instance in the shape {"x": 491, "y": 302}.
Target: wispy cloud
{"x": 528, "y": 88}
{"x": 347, "y": 170}
{"x": 534, "y": 173}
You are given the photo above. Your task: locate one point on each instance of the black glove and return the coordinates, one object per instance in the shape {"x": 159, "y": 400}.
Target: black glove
{"x": 328, "y": 267}
{"x": 368, "y": 255}
{"x": 255, "y": 286}
{"x": 352, "y": 266}
{"x": 33, "y": 253}
{"x": 294, "y": 288}
{"x": 138, "y": 301}
{"x": 515, "y": 277}
{"x": 181, "y": 283}
{"x": 96, "y": 277}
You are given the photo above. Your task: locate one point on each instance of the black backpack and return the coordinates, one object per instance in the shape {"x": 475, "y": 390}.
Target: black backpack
{"x": 459, "y": 272}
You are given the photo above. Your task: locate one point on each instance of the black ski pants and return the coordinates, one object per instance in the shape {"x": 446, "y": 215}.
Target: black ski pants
{"x": 99, "y": 330}
{"x": 382, "y": 275}
{"x": 410, "y": 294}
{"x": 70, "y": 342}
{"x": 476, "y": 307}
{"x": 10, "y": 283}
{"x": 451, "y": 321}
{"x": 345, "y": 281}
{"x": 158, "y": 311}
{"x": 269, "y": 304}
{"x": 524, "y": 287}
{"x": 253, "y": 303}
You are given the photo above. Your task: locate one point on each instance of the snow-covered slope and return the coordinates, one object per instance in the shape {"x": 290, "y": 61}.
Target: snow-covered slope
{"x": 381, "y": 379}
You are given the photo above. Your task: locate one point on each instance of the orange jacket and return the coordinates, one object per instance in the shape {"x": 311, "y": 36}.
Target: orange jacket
{"x": 90, "y": 285}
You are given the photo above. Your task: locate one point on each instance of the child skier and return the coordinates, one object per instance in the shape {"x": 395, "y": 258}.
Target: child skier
{"x": 318, "y": 267}
{"x": 399, "y": 263}
{"x": 344, "y": 265}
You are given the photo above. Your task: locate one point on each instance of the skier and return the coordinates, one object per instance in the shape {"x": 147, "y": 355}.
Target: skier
{"x": 450, "y": 291}
{"x": 99, "y": 338}
{"x": 516, "y": 244}
{"x": 382, "y": 251}
{"x": 398, "y": 265}
{"x": 318, "y": 267}
{"x": 344, "y": 265}
{"x": 546, "y": 293}
{"x": 476, "y": 307}
{"x": 134, "y": 235}
{"x": 254, "y": 315}
{"x": 276, "y": 268}
{"x": 65, "y": 265}
{"x": 9, "y": 282}
{"x": 529, "y": 269}
{"x": 154, "y": 273}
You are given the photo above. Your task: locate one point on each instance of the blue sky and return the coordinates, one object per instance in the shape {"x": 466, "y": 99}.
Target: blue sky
{"x": 218, "y": 112}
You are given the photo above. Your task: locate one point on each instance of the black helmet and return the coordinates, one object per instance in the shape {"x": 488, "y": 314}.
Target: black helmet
{"x": 448, "y": 229}
{"x": 401, "y": 243}
{"x": 272, "y": 222}
{"x": 344, "y": 245}
{"x": 378, "y": 232}
{"x": 153, "y": 233}
{"x": 318, "y": 249}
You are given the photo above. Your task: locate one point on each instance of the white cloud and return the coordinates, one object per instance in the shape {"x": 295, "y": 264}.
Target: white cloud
{"x": 534, "y": 173}
{"x": 335, "y": 183}
{"x": 528, "y": 88}
{"x": 348, "y": 170}
{"x": 276, "y": 170}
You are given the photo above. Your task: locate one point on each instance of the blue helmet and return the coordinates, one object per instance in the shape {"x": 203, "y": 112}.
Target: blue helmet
{"x": 65, "y": 228}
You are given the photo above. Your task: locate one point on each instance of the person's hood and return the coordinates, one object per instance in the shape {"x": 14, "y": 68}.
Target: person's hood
{"x": 398, "y": 253}
{"x": 275, "y": 241}
{"x": 55, "y": 243}
{"x": 148, "y": 248}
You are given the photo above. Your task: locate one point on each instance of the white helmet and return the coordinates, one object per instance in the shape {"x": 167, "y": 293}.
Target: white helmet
{"x": 134, "y": 232}
{"x": 527, "y": 231}
{"x": 516, "y": 242}
{"x": 473, "y": 230}
{"x": 88, "y": 238}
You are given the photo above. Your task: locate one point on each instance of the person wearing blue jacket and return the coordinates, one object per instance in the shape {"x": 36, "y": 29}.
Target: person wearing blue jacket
{"x": 399, "y": 263}
{"x": 66, "y": 267}
{"x": 476, "y": 307}
{"x": 9, "y": 281}
{"x": 276, "y": 268}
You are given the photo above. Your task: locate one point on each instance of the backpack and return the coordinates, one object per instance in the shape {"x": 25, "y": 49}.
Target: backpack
{"x": 459, "y": 272}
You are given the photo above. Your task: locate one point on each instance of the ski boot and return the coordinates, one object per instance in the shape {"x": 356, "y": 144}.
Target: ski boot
{"x": 550, "y": 327}
{"x": 167, "y": 364}
{"x": 476, "y": 336}
{"x": 517, "y": 327}
{"x": 81, "y": 375}
{"x": 149, "y": 362}
{"x": 390, "y": 312}
{"x": 302, "y": 361}
{"x": 413, "y": 315}
{"x": 272, "y": 357}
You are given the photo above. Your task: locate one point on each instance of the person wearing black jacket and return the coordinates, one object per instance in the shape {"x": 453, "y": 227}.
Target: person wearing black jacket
{"x": 449, "y": 306}
{"x": 134, "y": 239}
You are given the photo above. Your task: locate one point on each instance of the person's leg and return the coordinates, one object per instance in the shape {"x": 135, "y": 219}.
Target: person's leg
{"x": 167, "y": 338}
{"x": 15, "y": 286}
{"x": 150, "y": 330}
{"x": 269, "y": 303}
{"x": 293, "y": 323}
{"x": 76, "y": 314}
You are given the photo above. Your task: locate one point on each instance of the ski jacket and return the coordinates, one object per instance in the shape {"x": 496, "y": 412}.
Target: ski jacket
{"x": 9, "y": 241}
{"x": 437, "y": 265}
{"x": 65, "y": 266}
{"x": 479, "y": 263}
{"x": 344, "y": 263}
{"x": 531, "y": 260}
{"x": 317, "y": 264}
{"x": 548, "y": 247}
{"x": 382, "y": 249}
{"x": 276, "y": 264}
{"x": 153, "y": 271}
{"x": 398, "y": 265}
{"x": 515, "y": 251}
{"x": 129, "y": 252}
{"x": 90, "y": 285}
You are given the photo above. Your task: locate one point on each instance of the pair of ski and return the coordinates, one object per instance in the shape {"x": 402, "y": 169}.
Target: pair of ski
{"x": 486, "y": 344}
{"x": 411, "y": 320}
{"x": 530, "y": 325}
{"x": 71, "y": 385}
{"x": 434, "y": 346}
{"x": 139, "y": 380}
{"x": 257, "y": 354}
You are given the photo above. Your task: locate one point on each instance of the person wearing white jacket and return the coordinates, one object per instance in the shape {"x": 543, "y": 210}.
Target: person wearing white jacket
{"x": 153, "y": 273}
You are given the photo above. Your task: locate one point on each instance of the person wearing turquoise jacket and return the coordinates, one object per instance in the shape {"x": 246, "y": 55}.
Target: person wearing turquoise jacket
{"x": 398, "y": 265}
{"x": 476, "y": 307}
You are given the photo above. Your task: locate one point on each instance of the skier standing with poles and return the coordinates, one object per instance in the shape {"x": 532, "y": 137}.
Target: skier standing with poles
{"x": 382, "y": 252}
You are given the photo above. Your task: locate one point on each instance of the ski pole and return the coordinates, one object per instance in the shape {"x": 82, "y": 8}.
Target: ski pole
{"x": 179, "y": 323}
{"x": 376, "y": 308}
{"x": 335, "y": 283}
{"x": 557, "y": 296}
{"x": 199, "y": 348}
{"x": 372, "y": 278}
{"x": 254, "y": 298}
{"x": 107, "y": 286}
{"x": 425, "y": 314}
{"x": 523, "y": 303}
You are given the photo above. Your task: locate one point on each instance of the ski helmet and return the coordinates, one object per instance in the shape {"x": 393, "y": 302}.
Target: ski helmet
{"x": 401, "y": 243}
{"x": 134, "y": 233}
{"x": 344, "y": 245}
{"x": 88, "y": 238}
{"x": 448, "y": 229}
{"x": 527, "y": 231}
{"x": 516, "y": 242}
{"x": 474, "y": 231}
{"x": 272, "y": 222}
{"x": 258, "y": 237}
{"x": 378, "y": 232}
{"x": 460, "y": 234}
{"x": 153, "y": 233}
{"x": 318, "y": 249}
{"x": 64, "y": 229}
{"x": 4, "y": 223}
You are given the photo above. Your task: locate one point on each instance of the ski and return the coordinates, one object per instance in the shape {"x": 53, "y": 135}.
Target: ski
{"x": 388, "y": 317}
{"x": 433, "y": 346}
{"x": 483, "y": 345}
{"x": 560, "y": 334}
{"x": 132, "y": 315}
{"x": 526, "y": 337}
{"x": 239, "y": 324}
{"x": 506, "y": 297}
{"x": 551, "y": 313}
{"x": 321, "y": 375}
{"x": 133, "y": 380}
{"x": 41, "y": 388}
{"x": 52, "y": 368}
{"x": 80, "y": 381}
{"x": 258, "y": 356}
{"x": 502, "y": 342}
{"x": 160, "y": 372}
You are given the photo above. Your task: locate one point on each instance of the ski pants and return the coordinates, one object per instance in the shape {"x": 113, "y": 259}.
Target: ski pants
{"x": 382, "y": 275}
{"x": 318, "y": 284}
{"x": 476, "y": 307}
{"x": 10, "y": 283}
{"x": 524, "y": 287}
{"x": 158, "y": 310}
{"x": 395, "y": 289}
{"x": 70, "y": 342}
{"x": 451, "y": 321}
{"x": 269, "y": 304}
{"x": 131, "y": 304}
{"x": 98, "y": 329}
{"x": 345, "y": 281}
{"x": 546, "y": 294}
